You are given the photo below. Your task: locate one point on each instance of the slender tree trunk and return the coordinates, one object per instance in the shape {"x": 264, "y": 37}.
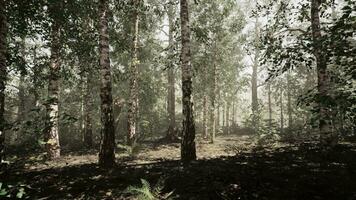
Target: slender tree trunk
{"x": 21, "y": 106}
{"x": 35, "y": 80}
{"x": 213, "y": 107}
{"x": 87, "y": 112}
{"x": 52, "y": 134}
{"x": 21, "y": 112}
{"x": 223, "y": 113}
{"x": 254, "y": 78}
{"x": 309, "y": 84}
{"x": 171, "y": 79}
{"x": 3, "y": 74}
{"x": 233, "y": 114}
{"x": 327, "y": 137}
{"x": 289, "y": 102}
{"x": 218, "y": 100}
{"x": 21, "y": 94}
{"x": 269, "y": 107}
{"x": 282, "y": 114}
{"x": 88, "y": 95}
{"x": 133, "y": 102}
{"x": 228, "y": 117}
{"x": 107, "y": 149}
{"x": 188, "y": 151}
{"x": 205, "y": 113}
{"x": 217, "y": 121}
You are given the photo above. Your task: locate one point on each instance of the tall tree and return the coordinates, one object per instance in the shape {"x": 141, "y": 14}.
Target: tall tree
{"x": 188, "y": 151}
{"x": 51, "y": 134}
{"x": 171, "y": 135}
{"x": 227, "y": 117}
{"x": 213, "y": 98}
{"x": 35, "y": 80}
{"x": 133, "y": 101}
{"x": 205, "y": 106}
{"x": 223, "y": 113}
{"x": 3, "y": 50}
{"x": 269, "y": 106}
{"x": 281, "y": 109}
{"x": 254, "y": 79}
{"x": 21, "y": 112}
{"x": 289, "y": 101}
{"x": 87, "y": 111}
{"x": 326, "y": 136}
{"x": 107, "y": 148}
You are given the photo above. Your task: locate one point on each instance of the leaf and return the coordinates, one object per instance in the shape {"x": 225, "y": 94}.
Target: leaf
{"x": 20, "y": 193}
{"x": 41, "y": 142}
{"x": 3, "y": 192}
{"x": 51, "y": 142}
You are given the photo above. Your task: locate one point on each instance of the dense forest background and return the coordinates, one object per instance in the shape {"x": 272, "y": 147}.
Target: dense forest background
{"x": 107, "y": 77}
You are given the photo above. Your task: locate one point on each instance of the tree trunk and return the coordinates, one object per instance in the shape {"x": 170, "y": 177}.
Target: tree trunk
{"x": 327, "y": 137}
{"x": 21, "y": 112}
{"x": 269, "y": 107}
{"x": 205, "y": 107}
{"x": 213, "y": 109}
{"x": 282, "y": 115}
{"x": 107, "y": 149}
{"x": 133, "y": 101}
{"x": 289, "y": 102}
{"x": 3, "y": 74}
{"x": 233, "y": 114}
{"x": 87, "y": 112}
{"x": 228, "y": 117}
{"x": 171, "y": 135}
{"x": 217, "y": 121}
{"x": 51, "y": 135}
{"x": 35, "y": 80}
{"x": 223, "y": 113}
{"x": 188, "y": 151}
{"x": 254, "y": 79}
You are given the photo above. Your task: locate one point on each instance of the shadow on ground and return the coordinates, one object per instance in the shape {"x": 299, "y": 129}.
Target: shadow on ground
{"x": 292, "y": 172}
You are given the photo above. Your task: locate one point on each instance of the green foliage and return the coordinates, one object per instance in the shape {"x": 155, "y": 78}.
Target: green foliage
{"x": 131, "y": 150}
{"x": 297, "y": 53}
{"x": 146, "y": 192}
{"x": 13, "y": 191}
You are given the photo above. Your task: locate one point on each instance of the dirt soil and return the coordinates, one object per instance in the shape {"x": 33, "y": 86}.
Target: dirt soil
{"x": 231, "y": 168}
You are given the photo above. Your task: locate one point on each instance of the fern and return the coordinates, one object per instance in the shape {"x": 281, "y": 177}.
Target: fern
{"x": 146, "y": 192}
{"x": 131, "y": 150}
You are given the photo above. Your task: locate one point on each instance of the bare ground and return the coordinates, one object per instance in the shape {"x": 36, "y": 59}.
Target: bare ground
{"x": 231, "y": 168}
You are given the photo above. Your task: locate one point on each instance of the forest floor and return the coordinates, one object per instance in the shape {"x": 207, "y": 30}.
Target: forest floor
{"x": 234, "y": 167}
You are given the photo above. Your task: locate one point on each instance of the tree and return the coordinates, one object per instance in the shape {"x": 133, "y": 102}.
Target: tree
{"x": 188, "y": 151}
{"x": 289, "y": 101}
{"x": 269, "y": 106}
{"x": 314, "y": 44}
{"x": 205, "y": 106}
{"x": 281, "y": 109}
{"x": 254, "y": 80}
{"x": 326, "y": 136}
{"x": 107, "y": 148}
{"x": 171, "y": 135}
{"x": 21, "y": 107}
{"x": 213, "y": 106}
{"x": 227, "y": 116}
{"x": 133, "y": 101}
{"x": 213, "y": 97}
{"x": 51, "y": 136}
{"x": 3, "y": 50}
{"x": 87, "y": 111}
